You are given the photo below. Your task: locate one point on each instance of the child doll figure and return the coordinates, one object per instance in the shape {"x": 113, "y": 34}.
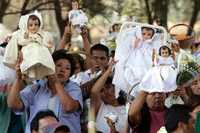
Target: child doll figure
{"x": 35, "y": 45}
{"x": 77, "y": 17}
{"x": 165, "y": 57}
{"x": 140, "y": 59}
{"x": 134, "y": 56}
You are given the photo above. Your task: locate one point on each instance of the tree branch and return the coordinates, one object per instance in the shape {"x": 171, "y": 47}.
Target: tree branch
{"x": 31, "y": 9}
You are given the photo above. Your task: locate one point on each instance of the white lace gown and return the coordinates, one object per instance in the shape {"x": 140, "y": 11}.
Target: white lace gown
{"x": 119, "y": 111}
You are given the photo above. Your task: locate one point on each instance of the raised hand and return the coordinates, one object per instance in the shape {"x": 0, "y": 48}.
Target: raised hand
{"x": 67, "y": 30}
{"x": 84, "y": 31}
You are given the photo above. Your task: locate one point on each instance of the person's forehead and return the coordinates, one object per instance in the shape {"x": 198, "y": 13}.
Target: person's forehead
{"x": 147, "y": 30}
{"x": 99, "y": 53}
{"x": 64, "y": 61}
{"x": 33, "y": 21}
{"x": 47, "y": 120}
{"x": 164, "y": 50}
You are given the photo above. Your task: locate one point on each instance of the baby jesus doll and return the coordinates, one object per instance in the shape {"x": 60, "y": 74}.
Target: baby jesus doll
{"x": 35, "y": 45}
{"x": 77, "y": 17}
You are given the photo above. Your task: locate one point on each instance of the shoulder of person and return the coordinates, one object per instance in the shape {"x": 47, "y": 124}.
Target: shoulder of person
{"x": 71, "y": 85}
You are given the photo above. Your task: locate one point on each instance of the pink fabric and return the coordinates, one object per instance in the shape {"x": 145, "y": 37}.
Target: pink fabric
{"x": 3, "y": 88}
{"x": 157, "y": 121}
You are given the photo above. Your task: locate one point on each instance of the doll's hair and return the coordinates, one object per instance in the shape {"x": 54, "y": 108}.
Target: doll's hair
{"x": 148, "y": 29}
{"x": 34, "y": 17}
{"x": 164, "y": 48}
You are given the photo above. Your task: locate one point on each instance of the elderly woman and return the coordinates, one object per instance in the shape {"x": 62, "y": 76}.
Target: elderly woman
{"x": 57, "y": 93}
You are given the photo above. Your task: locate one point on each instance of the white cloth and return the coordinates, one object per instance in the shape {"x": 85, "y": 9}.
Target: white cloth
{"x": 133, "y": 61}
{"x": 172, "y": 99}
{"x": 37, "y": 60}
{"x": 165, "y": 60}
{"x": 104, "y": 110}
{"x": 80, "y": 78}
{"x": 7, "y": 75}
{"x": 77, "y": 17}
{"x": 159, "y": 79}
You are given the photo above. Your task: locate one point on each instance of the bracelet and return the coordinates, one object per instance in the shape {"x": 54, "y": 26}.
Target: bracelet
{"x": 91, "y": 124}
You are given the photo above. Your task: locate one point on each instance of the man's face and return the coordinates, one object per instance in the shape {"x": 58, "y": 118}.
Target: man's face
{"x": 33, "y": 25}
{"x": 99, "y": 60}
{"x": 164, "y": 53}
{"x": 43, "y": 123}
{"x": 155, "y": 101}
{"x": 147, "y": 34}
{"x": 63, "y": 69}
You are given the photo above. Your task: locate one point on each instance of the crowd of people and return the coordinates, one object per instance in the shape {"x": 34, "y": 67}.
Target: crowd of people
{"x": 146, "y": 84}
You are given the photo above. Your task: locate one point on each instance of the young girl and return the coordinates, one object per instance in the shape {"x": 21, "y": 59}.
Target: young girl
{"x": 77, "y": 17}
{"x": 35, "y": 46}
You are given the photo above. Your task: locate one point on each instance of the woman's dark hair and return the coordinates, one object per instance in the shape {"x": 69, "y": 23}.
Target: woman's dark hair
{"x": 34, "y": 17}
{"x": 79, "y": 59}
{"x": 194, "y": 99}
{"x": 62, "y": 54}
{"x": 164, "y": 48}
{"x": 34, "y": 125}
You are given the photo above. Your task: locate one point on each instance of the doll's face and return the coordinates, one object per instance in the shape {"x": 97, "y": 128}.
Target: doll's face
{"x": 147, "y": 34}
{"x": 33, "y": 25}
{"x": 164, "y": 53}
{"x": 75, "y": 5}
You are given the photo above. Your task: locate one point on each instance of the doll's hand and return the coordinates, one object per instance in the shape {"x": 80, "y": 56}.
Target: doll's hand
{"x": 136, "y": 42}
{"x": 49, "y": 44}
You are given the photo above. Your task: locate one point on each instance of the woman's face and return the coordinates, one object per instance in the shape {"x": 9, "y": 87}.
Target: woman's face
{"x": 196, "y": 87}
{"x": 63, "y": 70}
{"x": 155, "y": 101}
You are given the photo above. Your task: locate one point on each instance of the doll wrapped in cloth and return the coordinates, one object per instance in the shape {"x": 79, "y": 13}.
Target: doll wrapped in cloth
{"x": 35, "y": 45}
{"x": 134, "y": 50}
{"x": 77, "y": 17}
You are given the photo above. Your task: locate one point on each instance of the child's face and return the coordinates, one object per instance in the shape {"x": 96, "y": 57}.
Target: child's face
{"x": 164, "y": 53}
{"x": 75, "y": 5}
{"x": 33, "y": 25}
{"x": 147, "y": 34}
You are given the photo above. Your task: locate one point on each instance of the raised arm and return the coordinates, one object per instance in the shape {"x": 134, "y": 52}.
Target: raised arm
{"x": 66, "y": 38}
{"x": 86, "y": 45}
{"x": 13, "y": 99}
{"x": 98, "y": 86}
{"x": 134, "y": 114}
